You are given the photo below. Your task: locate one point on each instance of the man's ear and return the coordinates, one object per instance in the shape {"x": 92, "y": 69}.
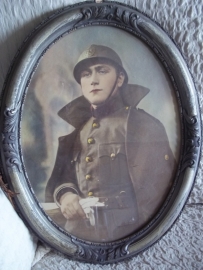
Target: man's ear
{"x": 121, "y": 79}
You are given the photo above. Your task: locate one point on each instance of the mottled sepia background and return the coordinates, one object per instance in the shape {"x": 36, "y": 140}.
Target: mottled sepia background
{"x": 53, "y": 86}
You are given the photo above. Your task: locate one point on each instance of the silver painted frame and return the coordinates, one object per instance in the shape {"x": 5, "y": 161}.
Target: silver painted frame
{"x": 63, "y": 21}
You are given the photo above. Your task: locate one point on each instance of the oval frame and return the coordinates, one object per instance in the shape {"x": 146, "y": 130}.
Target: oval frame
{"x": 64, "y": 21}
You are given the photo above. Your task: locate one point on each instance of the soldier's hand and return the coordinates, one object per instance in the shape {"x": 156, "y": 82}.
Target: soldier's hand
{"x": 70, "y": 207}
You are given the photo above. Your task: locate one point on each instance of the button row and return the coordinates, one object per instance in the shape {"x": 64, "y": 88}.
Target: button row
{"x": 90, "y": 159}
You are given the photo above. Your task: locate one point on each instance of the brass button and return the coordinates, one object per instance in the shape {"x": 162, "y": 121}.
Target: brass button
{"x": 88, "y": 177}
{"x": 95, "y": 125}
{"x": 88, "y": 159}
{"x": 166, "y": 157}
{"x": 113, "y": 156}
{"x": 127, "y": 108}
{"x": 90, "y": 140}
{"x": 90, "y": 193}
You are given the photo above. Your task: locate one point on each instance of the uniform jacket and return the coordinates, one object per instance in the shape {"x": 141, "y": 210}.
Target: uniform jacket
{"x": 149, "y": 157}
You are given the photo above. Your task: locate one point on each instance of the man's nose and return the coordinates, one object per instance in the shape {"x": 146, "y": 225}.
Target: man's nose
{"x": 95, "y": 79}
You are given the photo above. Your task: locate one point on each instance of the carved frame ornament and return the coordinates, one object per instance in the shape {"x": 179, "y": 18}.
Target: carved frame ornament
{"x": 63, "y": 22}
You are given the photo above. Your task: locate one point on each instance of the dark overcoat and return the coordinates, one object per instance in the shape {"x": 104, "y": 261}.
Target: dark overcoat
{"x": 149, "y": 157}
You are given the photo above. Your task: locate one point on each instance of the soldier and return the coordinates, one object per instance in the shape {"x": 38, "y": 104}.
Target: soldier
{"x": 114, "y": 170}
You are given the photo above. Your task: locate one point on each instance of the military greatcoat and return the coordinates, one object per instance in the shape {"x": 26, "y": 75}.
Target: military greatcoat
{"x": 149, "y": 158}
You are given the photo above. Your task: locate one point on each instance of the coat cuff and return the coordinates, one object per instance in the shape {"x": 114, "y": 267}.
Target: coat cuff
{"x": 62, "y": 189}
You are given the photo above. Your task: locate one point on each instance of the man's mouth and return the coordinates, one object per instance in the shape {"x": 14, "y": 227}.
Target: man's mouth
{"x": 95, "y": 90}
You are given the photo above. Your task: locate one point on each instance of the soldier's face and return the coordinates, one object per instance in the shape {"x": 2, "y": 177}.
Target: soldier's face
{"x": 100, "y": 81}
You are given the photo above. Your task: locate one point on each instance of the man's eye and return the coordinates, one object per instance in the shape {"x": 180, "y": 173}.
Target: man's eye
{"x": 103, "y": 71}
{"x": 85, "y": 74}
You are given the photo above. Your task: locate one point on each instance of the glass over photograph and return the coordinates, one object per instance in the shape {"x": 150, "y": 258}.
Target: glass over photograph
{"x": 100, "y": 133}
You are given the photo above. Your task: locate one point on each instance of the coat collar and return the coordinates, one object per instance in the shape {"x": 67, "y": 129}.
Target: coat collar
{"x": 78, "y": 111}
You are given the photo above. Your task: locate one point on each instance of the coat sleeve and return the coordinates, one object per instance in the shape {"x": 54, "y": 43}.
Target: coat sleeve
{"x": 151, "y": 162}
{"x": 63, "y": 177}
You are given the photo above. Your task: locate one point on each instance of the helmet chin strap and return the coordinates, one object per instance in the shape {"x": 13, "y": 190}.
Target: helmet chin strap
{"x": 110, "y": 94}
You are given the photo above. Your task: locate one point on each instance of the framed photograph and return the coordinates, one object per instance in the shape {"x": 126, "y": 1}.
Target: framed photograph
{"x": 100, "y": 131}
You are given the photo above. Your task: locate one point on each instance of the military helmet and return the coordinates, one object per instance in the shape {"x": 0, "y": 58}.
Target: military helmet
{"x": 95, "y": 54}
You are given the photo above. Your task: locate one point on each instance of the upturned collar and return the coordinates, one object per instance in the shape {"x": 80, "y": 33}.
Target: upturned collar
{"x": 78, "y": 111}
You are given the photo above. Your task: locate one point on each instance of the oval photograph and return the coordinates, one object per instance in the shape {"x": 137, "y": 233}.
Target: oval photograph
{"x": 100, "y": 133}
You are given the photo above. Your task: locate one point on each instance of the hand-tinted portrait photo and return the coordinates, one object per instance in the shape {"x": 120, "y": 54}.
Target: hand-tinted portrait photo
{"x": 103, "y": 142}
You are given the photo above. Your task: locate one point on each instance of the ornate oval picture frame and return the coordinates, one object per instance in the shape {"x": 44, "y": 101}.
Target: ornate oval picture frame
{"x": 101, "y": 131}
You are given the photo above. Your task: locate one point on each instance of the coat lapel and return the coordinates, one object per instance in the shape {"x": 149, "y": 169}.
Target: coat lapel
{"x": 78, "y": 111}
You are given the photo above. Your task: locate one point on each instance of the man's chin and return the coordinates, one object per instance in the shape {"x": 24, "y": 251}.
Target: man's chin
{"x": 96, "y": 103}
